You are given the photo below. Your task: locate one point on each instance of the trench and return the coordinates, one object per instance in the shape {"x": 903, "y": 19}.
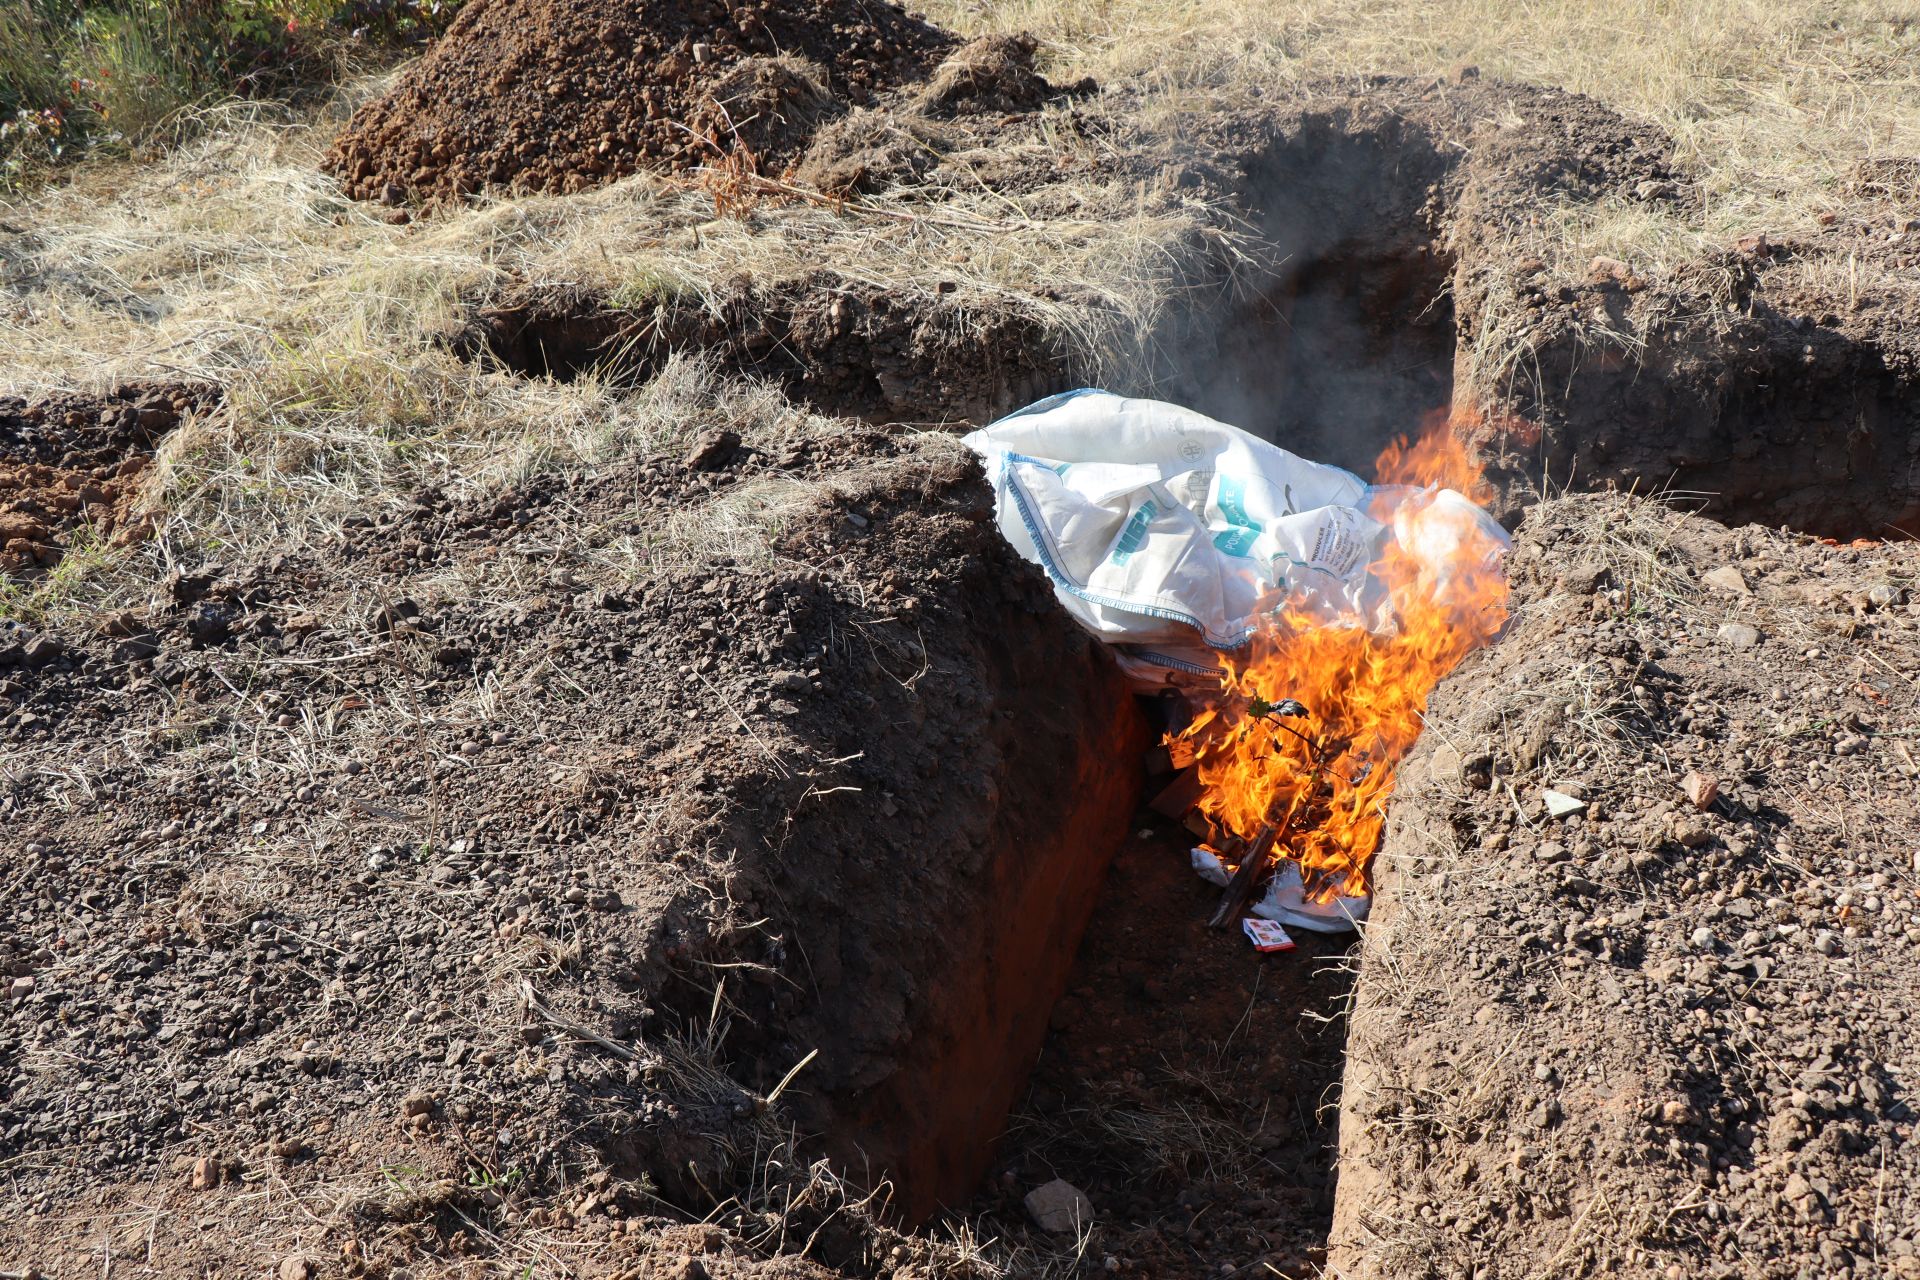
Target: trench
{"x": 1188, "y": 1085}
{"x": 1086, "y": 1024}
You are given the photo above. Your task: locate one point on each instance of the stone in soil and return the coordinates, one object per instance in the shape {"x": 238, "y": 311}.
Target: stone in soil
{"x": 1060, "y": 1207}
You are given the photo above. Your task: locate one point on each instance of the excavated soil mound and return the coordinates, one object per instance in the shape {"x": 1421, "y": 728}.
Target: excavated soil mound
{"x": 991, "y": 74}
{"x": 559, "y": 95}
{"x": 72, "y": 461}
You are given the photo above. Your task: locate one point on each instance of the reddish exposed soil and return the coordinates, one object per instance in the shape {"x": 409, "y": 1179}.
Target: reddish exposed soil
{"x": 560, "y": 95}
{"x": 73, "y": 462}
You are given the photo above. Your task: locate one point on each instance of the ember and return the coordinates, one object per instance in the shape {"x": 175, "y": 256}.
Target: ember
{"x": 1296, "y": 756}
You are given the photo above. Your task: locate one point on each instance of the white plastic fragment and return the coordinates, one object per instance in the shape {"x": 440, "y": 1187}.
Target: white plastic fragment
{"x": 1560, "y": 804}
{"x": 1207, "y": 864}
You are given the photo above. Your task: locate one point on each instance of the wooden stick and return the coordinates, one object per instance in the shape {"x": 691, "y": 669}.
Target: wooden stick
{"x": 1240, "y": 888}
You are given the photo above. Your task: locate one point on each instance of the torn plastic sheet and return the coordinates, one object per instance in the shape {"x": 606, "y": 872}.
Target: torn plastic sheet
{"x": 1172, "y": 538}
{"x": 1286, "y": 902}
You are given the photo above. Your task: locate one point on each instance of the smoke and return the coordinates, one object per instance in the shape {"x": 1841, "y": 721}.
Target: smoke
{"x": 1346, "y": 339}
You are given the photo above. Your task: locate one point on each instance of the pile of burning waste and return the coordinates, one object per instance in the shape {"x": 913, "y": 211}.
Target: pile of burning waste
{"x": 1296, "y": 617}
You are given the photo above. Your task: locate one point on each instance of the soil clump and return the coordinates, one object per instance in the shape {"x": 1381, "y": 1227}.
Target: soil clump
{"x": 566, "y": 94}
{"x": 72, "y": 462}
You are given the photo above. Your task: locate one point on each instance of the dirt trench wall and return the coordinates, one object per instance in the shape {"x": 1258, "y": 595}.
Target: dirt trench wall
{"x": 1767, "y": 415}
{"x": 929, "y": 892}
{"x": 838, "y": 345}
{"x": 1606, "y": 1043}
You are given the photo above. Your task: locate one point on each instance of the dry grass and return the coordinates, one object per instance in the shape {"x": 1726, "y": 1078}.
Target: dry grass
{"x": 233, "y": 259}
{"x": 1773, "y": 102}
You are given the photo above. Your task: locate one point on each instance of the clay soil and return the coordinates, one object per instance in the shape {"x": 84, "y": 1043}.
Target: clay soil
{"x": 71, "y": 465}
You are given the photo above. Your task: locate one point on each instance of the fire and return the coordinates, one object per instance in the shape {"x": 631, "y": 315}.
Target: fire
{"x": 1315, "y": 716}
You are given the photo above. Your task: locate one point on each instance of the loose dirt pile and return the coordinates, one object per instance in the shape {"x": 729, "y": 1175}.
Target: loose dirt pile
{"x": 1671, "y": 1033}
{"x": 564, "y": 94}
{"x": 71, "y": 463}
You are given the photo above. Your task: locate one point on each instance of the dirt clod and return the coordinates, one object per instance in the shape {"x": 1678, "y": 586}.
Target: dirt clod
{"x": 71, "y": 466}
{"x": 566, "y": 94}
{"x": 991, "y": 74}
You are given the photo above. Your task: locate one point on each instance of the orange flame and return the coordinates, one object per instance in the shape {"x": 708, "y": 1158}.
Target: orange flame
{"x": 1324, "y": 777}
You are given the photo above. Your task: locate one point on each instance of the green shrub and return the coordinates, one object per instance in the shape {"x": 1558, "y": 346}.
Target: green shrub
{"x": 79, "y": 74}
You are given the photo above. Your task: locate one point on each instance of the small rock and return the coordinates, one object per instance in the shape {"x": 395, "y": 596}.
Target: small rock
{"x": 1738, "y": 635}
{"x": 41, "y": 650}
{"x": 296, "y": 1266}
{"x": 1059, "y": 1207}
{"x": 1727, "y": 578}
{"x": 206, "y": 1174}
{"x": 1849, "y": 744}
{"x": 416, "y": 1104}
{"x": 21, "y": 987}
{"x": 1704, "y": 938}
{"x": 1700, "y": 789}
{"x": 1605, "y": 268}
{"x": 1692, "y": 835}
{"x": 1678, "y": 1112}
{"x": 712, "y": 450}
{"x": 1560, "y": 804}
{"x": 1823, "y": 943}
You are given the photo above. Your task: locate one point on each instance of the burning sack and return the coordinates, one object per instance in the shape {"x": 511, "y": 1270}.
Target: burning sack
{"x": 1172, "y": 536}
{"x": 1305, "y": 614}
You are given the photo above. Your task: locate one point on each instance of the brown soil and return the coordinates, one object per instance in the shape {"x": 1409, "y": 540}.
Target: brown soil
{"x": 1189, "y": 1086}
{"x": 565, "y": 94}
{"x": 855, "y": 802}
{"x": 73, "y": 462}
{"x": 1652, "y": 1039}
